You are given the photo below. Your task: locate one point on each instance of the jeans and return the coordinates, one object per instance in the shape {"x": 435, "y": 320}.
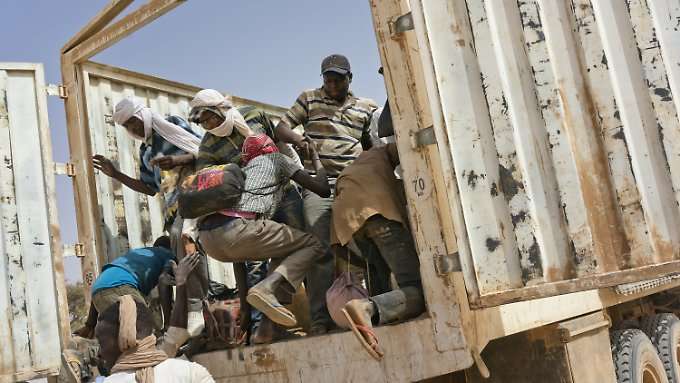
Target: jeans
{"x": 396, "y": 248}
{"x": 317, "y": 215}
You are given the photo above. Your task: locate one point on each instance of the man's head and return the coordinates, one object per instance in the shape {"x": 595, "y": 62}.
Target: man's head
{"x": 162, "y": 241}
{"x": 108, "y": 329}
{"x": 337, "y": 75}
{"x": 127, "y": 114}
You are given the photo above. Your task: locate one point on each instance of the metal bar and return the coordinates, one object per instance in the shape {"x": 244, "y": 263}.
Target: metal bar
{"x": 582, "y": 283}
{"x": 99, "y": 21}
{"x": 639, "y": 127}
{"x": 607, "y": 114}
{"x": 470, "y": 138}
{"x": 580, "y": 124}
{"x": 120, "y": 29}
{"x": 665, "y": 14}
{"x": 531, "y": 139}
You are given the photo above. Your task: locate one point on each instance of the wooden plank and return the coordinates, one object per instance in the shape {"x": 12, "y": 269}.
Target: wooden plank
{"x": 639, "y": 127}
{"x": 122, "y": 28}
{"x": 487, "y": 219}
{"x": 402, "y": 71}
{"x": 665, "y": 15}
{"x": 581, "y": 126}
{"x": 530, "y": 138}
{"x": 156, "y": 202}
{"x": 145, "y": 233}
{"x": 9, "y": 241}
{"x": 99, "y": 21}
{"x": 608, "y": 117}
{"x": 43, "y": 343}
{"x": 582, "y": 283}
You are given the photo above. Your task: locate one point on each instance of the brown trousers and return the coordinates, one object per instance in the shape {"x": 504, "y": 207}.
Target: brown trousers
{"x": 292, "y": 252}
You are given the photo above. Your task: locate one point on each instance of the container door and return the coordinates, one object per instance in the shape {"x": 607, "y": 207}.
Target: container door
{"x": 29, "y": 237}
{"x": 561, "y": 122}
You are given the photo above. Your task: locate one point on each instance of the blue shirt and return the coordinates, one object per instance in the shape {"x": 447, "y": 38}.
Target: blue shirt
{"x": 139, "y": 268}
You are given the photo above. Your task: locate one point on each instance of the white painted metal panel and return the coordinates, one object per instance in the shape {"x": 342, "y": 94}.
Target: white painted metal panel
{"x": 130, "y": 219}
{"x": 578, "y": 123}
{"x": 29, "y": 316}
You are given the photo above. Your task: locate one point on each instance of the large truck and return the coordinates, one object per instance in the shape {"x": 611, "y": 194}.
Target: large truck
{"x": 540, "y": 147}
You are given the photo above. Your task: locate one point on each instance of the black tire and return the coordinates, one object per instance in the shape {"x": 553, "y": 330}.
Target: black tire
{"x": 664, "y": 332}
{"x": 635, "y": 358}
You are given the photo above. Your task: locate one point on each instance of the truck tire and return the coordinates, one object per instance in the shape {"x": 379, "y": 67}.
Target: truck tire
{"x": 664, "y": 332}
{"x": 635, "y": 358}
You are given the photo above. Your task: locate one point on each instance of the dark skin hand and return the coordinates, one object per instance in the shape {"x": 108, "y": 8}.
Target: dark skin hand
{"x": 107, "y": 167}
{"x": 170, "y": 162}
{"x": 318, "y": 183}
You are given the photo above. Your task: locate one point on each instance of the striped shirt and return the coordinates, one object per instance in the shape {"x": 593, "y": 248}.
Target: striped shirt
{"x": 266, "y": 178}
{"x": 335, "y": 128}
{"x": 216, "y": 150}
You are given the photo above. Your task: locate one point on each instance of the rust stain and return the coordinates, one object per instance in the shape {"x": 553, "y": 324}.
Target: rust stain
{"x": 264, "y": 358}
{"x": 663, "y": 249}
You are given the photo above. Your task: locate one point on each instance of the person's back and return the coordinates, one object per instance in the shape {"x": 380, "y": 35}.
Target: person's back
{"x": 144, "y": 265}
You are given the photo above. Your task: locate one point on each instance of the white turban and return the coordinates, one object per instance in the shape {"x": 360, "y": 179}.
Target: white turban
{"x": 176, "y": 135}
{"x": 212, "y": 100}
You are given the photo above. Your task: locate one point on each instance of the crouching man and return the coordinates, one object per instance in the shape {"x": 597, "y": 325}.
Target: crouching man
{"x": 369, "y": 208}
{"x": 247, "y": 233}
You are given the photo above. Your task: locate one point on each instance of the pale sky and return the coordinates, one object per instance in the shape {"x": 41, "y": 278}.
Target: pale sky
{"x": 267, "y": 50}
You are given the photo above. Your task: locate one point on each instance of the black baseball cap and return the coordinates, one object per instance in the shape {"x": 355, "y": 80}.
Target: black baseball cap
{"x": 335, "y": 63}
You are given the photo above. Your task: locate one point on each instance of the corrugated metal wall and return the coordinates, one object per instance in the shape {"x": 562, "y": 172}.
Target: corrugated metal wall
{"x": 131, "y": 219}
{"x": 562, "y": 125}
{"x": 29, "y": 319}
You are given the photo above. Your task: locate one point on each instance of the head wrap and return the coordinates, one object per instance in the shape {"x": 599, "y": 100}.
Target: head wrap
{"x": 137, "y": 355}
{"x": 213, "y": 101}
{"x": 255, "y": 146}
{"x": 128, "y": 108}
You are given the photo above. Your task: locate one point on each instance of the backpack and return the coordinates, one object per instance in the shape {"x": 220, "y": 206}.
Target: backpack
{"x": 210, "y": 190}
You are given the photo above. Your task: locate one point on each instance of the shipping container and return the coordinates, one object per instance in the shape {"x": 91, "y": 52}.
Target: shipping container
{"x": 539, "y": 142}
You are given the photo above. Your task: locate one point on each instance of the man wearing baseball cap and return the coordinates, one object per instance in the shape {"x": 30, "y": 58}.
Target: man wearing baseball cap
{"x": 337, "y": 123}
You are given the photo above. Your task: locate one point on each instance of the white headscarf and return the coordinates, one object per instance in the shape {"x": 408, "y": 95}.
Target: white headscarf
{"x": 210, "y": 99}
{"x": 128, "y": 108}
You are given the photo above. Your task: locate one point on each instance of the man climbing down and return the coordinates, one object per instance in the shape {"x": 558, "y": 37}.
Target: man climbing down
{"x": 134, "y": 273}
{"x": 369, "y": 207}
{"x": 245, "y": 231}
{"x": 167, "y": 155}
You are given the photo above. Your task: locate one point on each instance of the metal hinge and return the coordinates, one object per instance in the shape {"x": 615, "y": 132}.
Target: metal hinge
{"x": 447, "y": 263}
{"x": 423, "y": 137}
{"x": 401, "y": 24}
{"x": 57, "y": 90}
{"x": 67, "y": 169}
{"x": 75, "y": 250}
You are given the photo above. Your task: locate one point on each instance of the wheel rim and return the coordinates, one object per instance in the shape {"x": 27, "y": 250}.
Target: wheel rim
{"x": 650, "y": 374}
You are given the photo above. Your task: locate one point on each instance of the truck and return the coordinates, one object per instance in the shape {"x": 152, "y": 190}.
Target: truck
{"x": 540, "y": 147}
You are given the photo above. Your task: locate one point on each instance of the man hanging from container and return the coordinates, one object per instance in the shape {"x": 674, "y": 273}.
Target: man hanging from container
{"x": 337, "y": 122}
{"x": 370, "y": 207}
{"x": 167, "y": 155}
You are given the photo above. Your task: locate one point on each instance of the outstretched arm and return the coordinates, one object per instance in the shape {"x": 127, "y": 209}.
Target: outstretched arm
{"x": 107, "y": 167}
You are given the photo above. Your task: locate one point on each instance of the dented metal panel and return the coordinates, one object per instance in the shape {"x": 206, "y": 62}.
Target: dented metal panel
{"x": 29, "y": 316}
{"x": 130, "y": 219}
{"x": 560, "y": 118}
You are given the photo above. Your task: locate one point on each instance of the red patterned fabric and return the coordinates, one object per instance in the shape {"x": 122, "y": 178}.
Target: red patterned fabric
{"x": 255, "y": 146}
